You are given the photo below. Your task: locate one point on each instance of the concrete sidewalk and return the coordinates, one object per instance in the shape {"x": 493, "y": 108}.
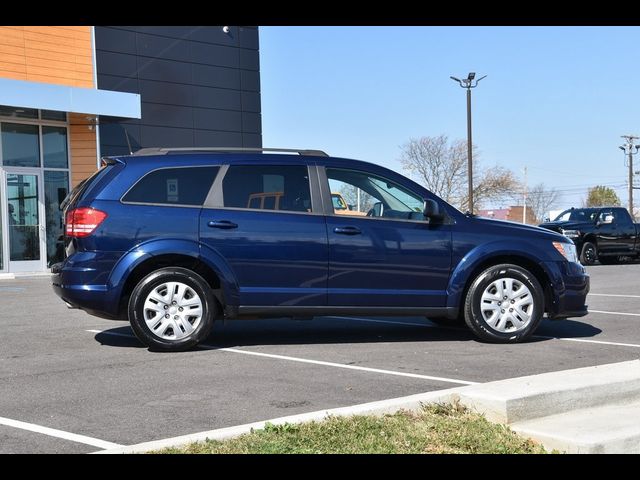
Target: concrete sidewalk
{"x": 584, "y": 410}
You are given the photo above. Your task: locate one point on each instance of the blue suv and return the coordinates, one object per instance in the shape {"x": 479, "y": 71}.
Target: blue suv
{"x": 173, "y": 239}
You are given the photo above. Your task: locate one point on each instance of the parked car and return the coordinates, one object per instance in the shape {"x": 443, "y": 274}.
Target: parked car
{"x": 340, "y": 206}
{"x": 164, "y": 239}
{"x": 607, "y": 234}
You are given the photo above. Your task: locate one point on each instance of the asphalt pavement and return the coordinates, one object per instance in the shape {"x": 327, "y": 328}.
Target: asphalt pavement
{"x": 74, "y": 383}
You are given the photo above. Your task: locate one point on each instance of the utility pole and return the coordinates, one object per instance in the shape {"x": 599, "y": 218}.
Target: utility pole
{"x": 524, "y": 209}
{"x": 628, "y": 148}
{"x": 469, "y": 83}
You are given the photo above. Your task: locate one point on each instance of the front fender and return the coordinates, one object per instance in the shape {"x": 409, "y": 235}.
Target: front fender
{"x": 469, "y": 263}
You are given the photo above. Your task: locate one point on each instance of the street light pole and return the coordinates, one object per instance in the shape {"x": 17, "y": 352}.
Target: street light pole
{"x": 628, "y": 148}
{"x": 469, "y": 83}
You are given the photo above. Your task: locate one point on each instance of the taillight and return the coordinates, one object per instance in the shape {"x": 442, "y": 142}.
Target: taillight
{"x": 81, "y": 222}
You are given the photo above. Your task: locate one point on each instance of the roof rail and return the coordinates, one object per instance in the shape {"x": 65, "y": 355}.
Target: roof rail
{"x": 165, "y": 151}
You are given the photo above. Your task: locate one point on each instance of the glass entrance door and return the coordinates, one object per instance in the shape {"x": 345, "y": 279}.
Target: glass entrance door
{"x": 23, "y": 221}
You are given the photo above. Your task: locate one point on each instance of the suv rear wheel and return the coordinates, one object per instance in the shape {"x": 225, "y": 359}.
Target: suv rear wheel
{"x": 504, "y": 304}
{"x": 172, "y": 309}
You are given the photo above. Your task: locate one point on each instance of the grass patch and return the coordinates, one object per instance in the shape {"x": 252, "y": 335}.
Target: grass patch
{"x": 436, "y": 429}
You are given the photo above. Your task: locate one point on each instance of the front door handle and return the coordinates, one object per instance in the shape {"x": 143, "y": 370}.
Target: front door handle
{"x": 347, "y": 230}
{"x": 224, "y": 224}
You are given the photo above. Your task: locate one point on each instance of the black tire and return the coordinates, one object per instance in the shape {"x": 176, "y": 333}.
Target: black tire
{"x": 157, "y": 278}
{"x": 472, "y": 305}
{"x": 589, "y": 254}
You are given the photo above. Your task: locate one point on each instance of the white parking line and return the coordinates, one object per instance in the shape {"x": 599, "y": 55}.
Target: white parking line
{"x": 612, "y": 295}
{"x": 584, "y": 340}
{"x": 615, "y": 313}
{"x": 52, "y": 432}
{"x": 318, "y": 362}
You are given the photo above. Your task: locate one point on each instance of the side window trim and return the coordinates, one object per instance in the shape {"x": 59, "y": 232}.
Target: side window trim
{"x": 166, "y": 204}
{"x": 215, "y": 198}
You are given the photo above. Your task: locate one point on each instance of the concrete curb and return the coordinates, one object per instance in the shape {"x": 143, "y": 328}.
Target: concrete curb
{"x": 411, "y": 402}
{"x": 504, "y": 401}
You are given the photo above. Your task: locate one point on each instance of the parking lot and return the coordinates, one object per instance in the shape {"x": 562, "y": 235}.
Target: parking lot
{"x": 74, "y": 383}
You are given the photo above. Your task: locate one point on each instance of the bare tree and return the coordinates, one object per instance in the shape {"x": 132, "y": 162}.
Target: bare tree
{"x": 441, "y": 166}
{"x": 541, "y": 199}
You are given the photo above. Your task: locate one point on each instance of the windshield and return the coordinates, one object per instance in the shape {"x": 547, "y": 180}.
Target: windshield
{"x": 578, "y": 215}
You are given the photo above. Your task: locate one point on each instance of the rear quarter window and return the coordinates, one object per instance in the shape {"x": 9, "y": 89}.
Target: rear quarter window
{"x": 173, "y": 186}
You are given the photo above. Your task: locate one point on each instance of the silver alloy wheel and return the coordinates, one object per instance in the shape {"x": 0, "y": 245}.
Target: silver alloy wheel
{"x": 507, "y": 305}
{"x": 172, "y": 311}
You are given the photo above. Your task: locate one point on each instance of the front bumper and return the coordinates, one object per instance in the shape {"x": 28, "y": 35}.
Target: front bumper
{"x": 568, "y": 291}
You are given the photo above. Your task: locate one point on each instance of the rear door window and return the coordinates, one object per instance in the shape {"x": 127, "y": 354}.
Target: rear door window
{"x": 267, "y": 187}
{"x": 173, "y": 186}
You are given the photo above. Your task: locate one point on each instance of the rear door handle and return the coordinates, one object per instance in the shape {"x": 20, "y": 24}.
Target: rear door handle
{"x": 347, "y": 230}
{"x": 224, "y": 224}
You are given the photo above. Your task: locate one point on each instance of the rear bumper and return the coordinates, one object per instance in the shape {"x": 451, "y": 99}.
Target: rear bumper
{"x": 82, "y": 282}
{"x": 570, "y": 285}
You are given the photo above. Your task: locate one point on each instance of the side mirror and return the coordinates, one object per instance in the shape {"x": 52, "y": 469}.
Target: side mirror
{"x": 432, "y": 210}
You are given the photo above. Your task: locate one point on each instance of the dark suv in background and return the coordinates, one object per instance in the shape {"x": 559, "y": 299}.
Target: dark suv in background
{"x": 173, "y": 239}
{"x": 606, "y": 234}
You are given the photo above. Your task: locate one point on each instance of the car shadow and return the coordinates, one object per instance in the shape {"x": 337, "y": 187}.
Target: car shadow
{"x": 329, "y": 330}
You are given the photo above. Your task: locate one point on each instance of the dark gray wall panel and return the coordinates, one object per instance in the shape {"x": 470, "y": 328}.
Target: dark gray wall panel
{"x": 118, "y": 83}
{"x": 215, "y": 35}
{"x": 251, "y": 122}
{"x": 251, "y": 102}
{"x": 120, "y": 41}
{"x": 249, "y": 60}
{"x": 221, "y": 98}
{"x": 116, "y": 63}
{"x": 167, "y": 115}
{"x": 253, "y": 140}
{"x": 209, "y": 76}
{"x": 199, "y": 86}
{"x": 166, "y": 136}
{"x": 214, "y": 139}
{"x": 163, "y": 70}
{"x": 113, "y": 134}
{"x": 248, "y": 38}
{"x": 162, "y": 47}
{"x": 209, "y": 119}
{"x": 209, "y": 54}
{"x": 167, "y": 93}
{"x": 250, "y": 80}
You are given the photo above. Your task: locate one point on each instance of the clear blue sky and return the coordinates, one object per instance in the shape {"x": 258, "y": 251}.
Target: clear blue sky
{"x": 556, "y": 99}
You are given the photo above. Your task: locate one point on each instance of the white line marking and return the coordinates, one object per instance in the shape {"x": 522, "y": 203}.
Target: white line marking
{"x": 584, "y": 340}
{"x": 392, "y": 405}
{"x": 615, "y": 313}
{"x": 52, "y": 432}
{"x": 612, "y": 295}
{"x": 317, "y": 362}
{"x": 355, "y": 319}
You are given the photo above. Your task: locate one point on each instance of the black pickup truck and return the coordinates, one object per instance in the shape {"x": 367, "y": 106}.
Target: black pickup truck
{"x": 607, "y": 234}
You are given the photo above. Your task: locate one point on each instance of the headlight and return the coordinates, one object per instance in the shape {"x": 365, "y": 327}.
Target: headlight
{"x": 571, "y": 233}
{"x": 567, "y": 250}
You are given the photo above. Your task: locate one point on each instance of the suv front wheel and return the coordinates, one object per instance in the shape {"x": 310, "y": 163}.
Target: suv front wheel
{"x": 504, "y": 304}
{"x": 172, "y": 309}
